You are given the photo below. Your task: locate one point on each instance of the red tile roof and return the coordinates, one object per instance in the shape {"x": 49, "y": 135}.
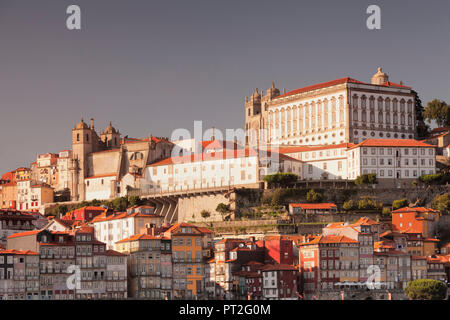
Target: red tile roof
{"x": 329, "y": 239}
{"x": 102, "y": 176}
{"x": 320, "y": 86}
{"x": 415, "y": 209}
{"x": 139, "y": 237}
{"x": 278, "y": 267}
{"x": 392, "y": 143}
{"x": 23, "y": 234}
{"x": 318, "y": 206}
{"x": 337, "y": 82}
{"x": 19, "y": 252}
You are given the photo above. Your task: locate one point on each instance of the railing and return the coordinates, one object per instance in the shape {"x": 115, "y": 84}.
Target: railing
{"x": 180, "y": 190}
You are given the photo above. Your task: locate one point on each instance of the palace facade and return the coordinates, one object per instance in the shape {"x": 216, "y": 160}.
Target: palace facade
{"x": 339, "y": 111}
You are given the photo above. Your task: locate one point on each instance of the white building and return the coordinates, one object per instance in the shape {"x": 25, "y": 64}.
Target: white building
{"x": 101, "y": 187}
{"x": 334, "y": 112}
{"x": 391, "y": 159}
{"x": 217, "y": 169}
{"x": 118, "y": 226}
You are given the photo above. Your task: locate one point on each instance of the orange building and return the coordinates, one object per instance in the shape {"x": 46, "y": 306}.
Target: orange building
{"x": 190, "y": 248}
{"x": 415, "y": 220}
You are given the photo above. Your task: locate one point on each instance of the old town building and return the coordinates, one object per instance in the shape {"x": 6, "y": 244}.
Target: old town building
{"x": 333, "y": 112}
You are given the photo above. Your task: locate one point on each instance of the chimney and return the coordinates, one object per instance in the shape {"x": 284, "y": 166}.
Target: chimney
{"x": 92, "y": 123}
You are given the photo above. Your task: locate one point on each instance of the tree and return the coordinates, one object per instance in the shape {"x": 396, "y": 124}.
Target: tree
{"x": 223, "y": 208}
{"x": 370, "y": 178}
{"x": 439, "y": 111}
{"x": 205, "y": 214}
{"x": 386, "y": 211}
{"x": 426, "y": 289}
{"x": 422, "y": 127}
{"x": 349, "y": 205}
{"x": 281, "y": 179}
{"x": 442, "y": 203}
{"x": 313, "y": 196}
{"x": 134, "y": 201}
{"x": 401, "y": 203}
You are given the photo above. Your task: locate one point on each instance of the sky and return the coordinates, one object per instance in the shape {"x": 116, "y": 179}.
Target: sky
{"x": 154, "y": 66}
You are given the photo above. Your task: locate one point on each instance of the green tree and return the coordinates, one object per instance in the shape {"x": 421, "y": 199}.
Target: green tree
{"x": 205, "y": 214}
{"x": 349, "y": 205}
{"x": 223, "y": 208}
{"x": 422, "y": 127}
{"x": 386, "y": 211}
{"x": 439, "y": 111}
{"x": 401, "y": 203}
{"x": 313, "y": 196}
{"x": 442, "y": 203}
{"x": 281, "y": 179}
{"x": 370, "y": 178}
{"x": 134, "y": 201}
{"x": 426, "y": 289}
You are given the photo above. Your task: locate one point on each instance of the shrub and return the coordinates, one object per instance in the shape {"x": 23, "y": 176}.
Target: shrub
{"x": 223, "y": 208}
{"x": 370, "y": 178}
{"x": 313, "y": 196}
{"x": 205, "y": 214}
{"x": 350, "y": 205}
{"x": 386, "y": 211}
{"x": 426, "y": 289}
{"x": 442, "y": 203}
{"x": 368, "y": 204}
{"x": 281, "y": 179}
{"x": 431, "y": 178}
{"x": 401, "y": 203}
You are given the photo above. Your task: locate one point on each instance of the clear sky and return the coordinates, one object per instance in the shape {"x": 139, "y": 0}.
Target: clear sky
{"x": 154, "y": 66}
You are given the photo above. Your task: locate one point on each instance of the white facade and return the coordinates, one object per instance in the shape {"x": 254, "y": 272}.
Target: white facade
{"x": 397, "y": 162}
{"x": 270, "y": 285}
{"x": 100, "y": 188}
{"x": 214, "y": 172}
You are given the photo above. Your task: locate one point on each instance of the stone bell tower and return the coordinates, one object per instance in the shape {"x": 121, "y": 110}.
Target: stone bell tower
{"x": 380, "y": 77}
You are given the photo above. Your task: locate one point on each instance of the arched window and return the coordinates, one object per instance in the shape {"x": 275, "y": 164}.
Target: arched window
{"x": 355, "y": 101}
{"x": 355, "y": 115}
{"x": 402, "y": 105}
{"x": 363, "y": 101}
{"x": 313, "y": 115}
{"x": 402, "y": 119}
{"x": 306, "y": 116}
{"x": 394, "y": 105}
{"x": 363, "y": 116}
{"x": 87, "y": 137}
{"x": 409, "y": 120}
{"x": 294, "y": 118}
{"x": 300, "y": 117}
{"x": 333, "y": 111}
{"x": 325, "y": 113}
{"x": 387, "y": 104}
{"x": 410, "y": 106}
{"x": 380, "y": 104}
{"x": 288, "y": 124}
{"x": 380, "y": 117}
{"x": 341, "y": 109}
{"x": 372, "y": 102}
{"x": 372, "y": 116}
{"x": 283, "y": 122}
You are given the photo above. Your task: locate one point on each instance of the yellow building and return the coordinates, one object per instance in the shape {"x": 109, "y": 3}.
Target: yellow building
{"x": 189, "y": 250}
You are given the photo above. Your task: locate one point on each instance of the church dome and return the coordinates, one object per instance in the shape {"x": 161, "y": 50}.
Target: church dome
{"x": 110, "y": 129}
{"x": 82, "y": 125}
{"x": 380, "y": 77}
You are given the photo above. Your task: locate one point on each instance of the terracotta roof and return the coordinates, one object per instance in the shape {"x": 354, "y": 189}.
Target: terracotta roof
{"x": 224, "y": 154}
{"x": 278, "y": 267}
{"x": 139, "y": 237}
{"x": 295, "y": 149}
{"x": 123, "y": 215}
{"x": 329, "y": 239}
{"x": 23, "y": 234}
{"x": 392, "y": 143}
{"x": 115, "y": 253}
{"x": 102, "y": 176}
{"x": 19, "y": 252}
{"x": 313, "y": 205}
{"x": 320, "y": 86}
{"x": 415, "y": 209}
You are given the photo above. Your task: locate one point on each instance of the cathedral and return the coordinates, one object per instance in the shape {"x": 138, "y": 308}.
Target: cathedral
{"x": 103, "y": 166}
{"x": 338, "y": 111}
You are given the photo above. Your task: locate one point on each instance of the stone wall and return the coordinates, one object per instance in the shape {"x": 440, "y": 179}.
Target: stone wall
{"x": 190, "y": 207}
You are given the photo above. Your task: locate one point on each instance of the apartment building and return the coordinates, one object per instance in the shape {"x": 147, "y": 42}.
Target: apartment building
{"x": 19, "y": 275}
{"x": 13, "y": 221}
{"x": 327, "y": 260}
{"x": 280, "y": 282}
{"x": 149, "y": 266}
{"x": 190, "y": 249}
